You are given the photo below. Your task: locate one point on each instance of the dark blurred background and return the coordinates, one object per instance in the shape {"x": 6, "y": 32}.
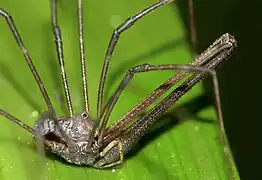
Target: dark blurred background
{"x": 240, "y": 79}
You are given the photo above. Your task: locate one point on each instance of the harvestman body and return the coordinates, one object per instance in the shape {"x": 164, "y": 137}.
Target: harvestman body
{"x": 82, "y": 140}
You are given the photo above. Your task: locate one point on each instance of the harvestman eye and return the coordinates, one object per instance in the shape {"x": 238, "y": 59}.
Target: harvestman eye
{"x": 84, "y": 115}
{"x": 83, "y": 140}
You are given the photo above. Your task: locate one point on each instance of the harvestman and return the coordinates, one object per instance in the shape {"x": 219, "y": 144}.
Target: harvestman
{"x": 82, "y": 140}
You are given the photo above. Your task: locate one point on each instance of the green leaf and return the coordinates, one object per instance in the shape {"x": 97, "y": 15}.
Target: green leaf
{"x": 188, "y": 150}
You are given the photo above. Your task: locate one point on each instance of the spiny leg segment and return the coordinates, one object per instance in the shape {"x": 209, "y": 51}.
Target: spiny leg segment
{"x": 200, "y": 60}
{"x": 131, "y": 135}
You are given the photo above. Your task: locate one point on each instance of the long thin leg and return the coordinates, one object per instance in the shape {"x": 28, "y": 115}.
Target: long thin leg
{"x": 17, "y": 121}
{"x": 60, "y": 55}
{"x": 41, "y": 141}
{"x": 193, "y": 37}
{"x": 192, "y": 26}
{"x": 220, "y": 46}
{"x": 31, "y": 66}
{"x": 114, "y": 39}
{"x": 82, "y": 55}
{"x": 28, "y": 59}
{"x": 169, "y": 100}
{"x": 129, "y": 75}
